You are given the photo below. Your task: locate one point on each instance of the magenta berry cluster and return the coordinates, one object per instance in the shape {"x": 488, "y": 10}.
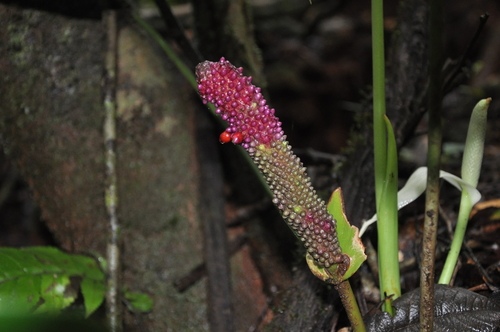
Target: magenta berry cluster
{"x": 238, "y": 102}
{"x": 252, "y": 124}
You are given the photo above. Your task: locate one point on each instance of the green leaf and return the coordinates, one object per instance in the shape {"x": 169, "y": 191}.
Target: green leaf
{"x": 13, "y": 263}
{"x": 19, "y": 295}
{"x": 47, "y": 280}
{"x": 348, "y": 235}
{"x": 56, "y": 293}
{"x": 93, "y": 293}
{"x": 139, "y": 302}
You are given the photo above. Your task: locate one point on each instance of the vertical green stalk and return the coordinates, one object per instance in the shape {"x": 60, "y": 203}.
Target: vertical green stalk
{"x": 458, "y": 237}
{"x": 379, "y": 133}
{"x": 433, "y": 165}
{"x": 385, "y": 169}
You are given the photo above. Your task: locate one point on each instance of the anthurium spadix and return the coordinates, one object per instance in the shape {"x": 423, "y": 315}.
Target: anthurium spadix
{"x": 253, "y": 125}
{"x": 471, "y": 166}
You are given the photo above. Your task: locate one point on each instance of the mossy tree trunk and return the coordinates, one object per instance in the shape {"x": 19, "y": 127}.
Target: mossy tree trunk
{"x": 51, "y": 124}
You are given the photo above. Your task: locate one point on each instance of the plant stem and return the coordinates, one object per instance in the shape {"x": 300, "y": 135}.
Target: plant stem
{"x": 385, "y": 169}
{"x": 433, "y": 164}
{"x": 113, "y": 302}
{"x": 458, "y": 236}
{"x": 388, "y": 227}
{"x": 471, "y": 169}
{"x": 351, "y": 306}
{"x": 379, "y": 132}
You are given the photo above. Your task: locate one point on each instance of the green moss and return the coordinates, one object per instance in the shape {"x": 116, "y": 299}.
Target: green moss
{"x": 17, "y": 43}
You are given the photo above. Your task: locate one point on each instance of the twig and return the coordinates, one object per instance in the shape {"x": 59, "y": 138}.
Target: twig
{"x": 433, "y": 161}
{"x": 449, "y": 80}
{"x": 186, "y": 71}
{"x": 476, "y": 261}
{"x": 177, "y": 32}
{"x": 113, "y": 303}
{"x": 318, "y": 156}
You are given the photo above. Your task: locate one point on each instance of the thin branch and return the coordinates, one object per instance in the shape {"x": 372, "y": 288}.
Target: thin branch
{"x": 458, "y": 69}
{"x": 482, "y": 271}
{"x": 176, "y": 30}
{"x": 433, "y": 161}
{"x": 113, "y": 303}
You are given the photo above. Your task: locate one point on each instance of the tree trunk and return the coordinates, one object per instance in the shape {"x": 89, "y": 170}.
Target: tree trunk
{"x": 51, "y": 125}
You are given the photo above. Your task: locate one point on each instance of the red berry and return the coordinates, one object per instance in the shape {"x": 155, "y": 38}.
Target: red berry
{"x": 225, "y": 137}
{"x": 237, "y": 138}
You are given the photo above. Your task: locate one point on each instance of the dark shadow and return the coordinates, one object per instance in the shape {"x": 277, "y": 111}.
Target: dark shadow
{"x": 89, "y": 9}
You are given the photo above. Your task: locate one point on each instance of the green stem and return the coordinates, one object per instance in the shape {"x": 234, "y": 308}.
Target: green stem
{"x": 379, "y": 132}
{"x": 433, "y": 164}
{"x": 385, "y": 169}
{"x": 458, "y": 237}
{"x": 471, "y": 168}
{"x": 388, "y": 227}
{"x": 351, "y": 306}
